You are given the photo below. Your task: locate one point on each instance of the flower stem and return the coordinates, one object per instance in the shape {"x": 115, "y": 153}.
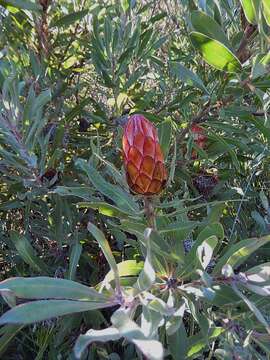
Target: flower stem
{"x": 150, "y": 212}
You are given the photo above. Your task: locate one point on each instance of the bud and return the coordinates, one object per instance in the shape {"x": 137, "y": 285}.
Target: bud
{"x": 143, "y": 157}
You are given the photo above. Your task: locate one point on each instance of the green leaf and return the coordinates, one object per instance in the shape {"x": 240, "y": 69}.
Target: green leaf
{"x": 253, "y": 308}
{"x": 261, "y": 66}
{"x": 187, "y": 76}
{"x": 197, "y": 343}
{"x": 238, "y": 253}
{"x": 249, "y": 10}
{"x": 206, "y": 25}
{"x": 108, "y": 35}
{"x": 70, "y": 18}
{"x": 8, "y": 332}
{"x": 125, "y": 5}
{"x": 22, "y": 4}
{"x": 179, "y": 225}
{"x": 224, "y": 295}
{"x": 43, "y": 287}
{"x": 106, "y": 209}
{"x": 41, "y": 310}
{"x": 83, "y": 192}
{"x": 103, "y": 243}
{"x": 115, "y": 193}
{"x": 27, "y": 252}
{"x": 165, "y": 136}
{"x": 266, "y": 11}
{"x": 215, "y": 53}
{"x": 74, "y": 260}
{"x": 227, "y": 147}
{"x": 178, "y": 343}
{"x": 127, "y": 268}
{"x": 78, "y": 109}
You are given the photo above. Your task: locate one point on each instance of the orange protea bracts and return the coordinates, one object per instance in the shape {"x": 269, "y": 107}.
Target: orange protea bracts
{"x": 143, "y": 157}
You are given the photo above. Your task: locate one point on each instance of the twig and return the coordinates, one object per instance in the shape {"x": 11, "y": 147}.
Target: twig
{"x": 243, "y": 53}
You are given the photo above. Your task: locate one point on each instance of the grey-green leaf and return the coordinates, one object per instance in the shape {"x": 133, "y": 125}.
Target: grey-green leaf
{"x": 41, "y": 310}
{"x": 43, "y": 287}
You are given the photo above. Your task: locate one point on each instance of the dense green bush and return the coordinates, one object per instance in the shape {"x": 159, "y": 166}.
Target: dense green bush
{"x": 90, "y": 270}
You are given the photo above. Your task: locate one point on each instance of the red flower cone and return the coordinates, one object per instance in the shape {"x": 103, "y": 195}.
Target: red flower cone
{"x": 143, "y": 157}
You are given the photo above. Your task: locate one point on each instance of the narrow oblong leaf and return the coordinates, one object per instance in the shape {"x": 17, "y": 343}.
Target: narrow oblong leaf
{"x": 43, "y": 287}
{"x": 22, "y": 4}
{"x": 165, "y": 136}
{"x": 238, "y": 253}
{"x": 106, "y": 209}
{"x": 74, "y": 260}
{"x": 8, "y": 332}
{"x": 266, "y": 10}
{"x": 252, "y": 307}
{"x": 70, "y": 18}
{"x": 197, "y": 343}
{"x": 103, "y": 243}
{"x": 41, "y": 310}
{"x": 27, "y": 252}
{"x": 83, "y": 192}
{"x": 188, "y": 76}
{"x": 249, "y": 11}
{"x": 115, "y": 193}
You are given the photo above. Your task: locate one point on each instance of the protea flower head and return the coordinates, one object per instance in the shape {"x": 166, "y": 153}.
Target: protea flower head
{"x": 143, "y": 157}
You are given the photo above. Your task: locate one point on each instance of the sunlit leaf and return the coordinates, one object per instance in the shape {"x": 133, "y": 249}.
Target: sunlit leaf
{"x": 215, "y": 53}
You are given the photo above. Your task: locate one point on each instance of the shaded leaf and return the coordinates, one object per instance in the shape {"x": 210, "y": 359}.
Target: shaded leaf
{"x": 188, "y": 76}
{"x": 27, "y": 252}
{"x": 70, "y": 18}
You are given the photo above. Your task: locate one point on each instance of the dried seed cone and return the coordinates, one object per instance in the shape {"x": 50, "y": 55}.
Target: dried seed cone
{"x": 143, "y": 157}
